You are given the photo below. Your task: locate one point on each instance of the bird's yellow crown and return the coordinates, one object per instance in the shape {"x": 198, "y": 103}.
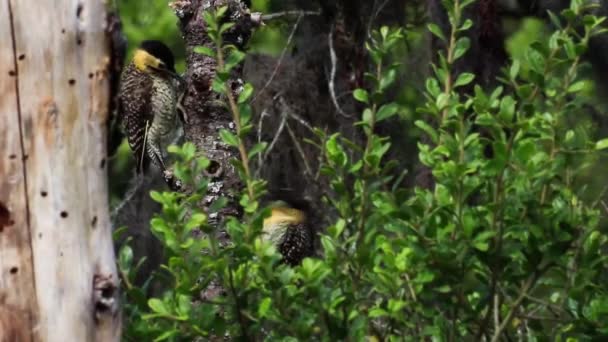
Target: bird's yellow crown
{"x": 285, "y": 215}
{"x": 143, "y": 59}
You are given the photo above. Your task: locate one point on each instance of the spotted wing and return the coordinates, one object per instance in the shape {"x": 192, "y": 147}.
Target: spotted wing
{"x": 136, "y": 109}
{"x": 296, "y": 244}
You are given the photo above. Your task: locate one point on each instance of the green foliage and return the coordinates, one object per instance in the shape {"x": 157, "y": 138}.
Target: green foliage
{"x": 505, "y": 244}
{"x": 143, "y": 20}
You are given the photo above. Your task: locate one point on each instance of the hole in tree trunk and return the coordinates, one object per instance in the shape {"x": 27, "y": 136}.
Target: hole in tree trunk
{"x": 5, "y": 217}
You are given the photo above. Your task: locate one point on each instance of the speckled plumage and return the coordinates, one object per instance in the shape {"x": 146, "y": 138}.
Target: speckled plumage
{"x": 148, "y": 105}
{"x": 296, "y": 244}
{"x": 287, "y": 229}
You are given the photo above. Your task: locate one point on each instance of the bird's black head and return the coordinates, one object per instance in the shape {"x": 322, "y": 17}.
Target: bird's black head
{"x": 160, "y": 51}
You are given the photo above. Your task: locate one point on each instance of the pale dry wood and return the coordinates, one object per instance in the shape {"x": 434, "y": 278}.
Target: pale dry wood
{"x": 17, "y": 292}
{"x": 62, "y": 57}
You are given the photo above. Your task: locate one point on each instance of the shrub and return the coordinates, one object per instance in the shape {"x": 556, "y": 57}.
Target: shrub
{"x": 506, "y": 244}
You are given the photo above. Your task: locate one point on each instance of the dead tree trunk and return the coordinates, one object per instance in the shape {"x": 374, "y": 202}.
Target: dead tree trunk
{"x": 57, "y": 272}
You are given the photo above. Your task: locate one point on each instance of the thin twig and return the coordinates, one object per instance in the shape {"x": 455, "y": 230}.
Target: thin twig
{"x": 523, "y": 293}
{"x": 300, "y": 120}
{"x": 276, "y": 135}
{"x": 496, "y": 311}
{"x": 332, "y": 75}
{"x": 128, "y": 197}
{"x": 410, "y": 288}
{"x": 374, "y": 16}
{"x": 260, "y": 125}
{"x": 604, "y": 206}
{"x": 300, "y": 150}
{"x": 280, "y": 61}
{"x": 277, "y": 15}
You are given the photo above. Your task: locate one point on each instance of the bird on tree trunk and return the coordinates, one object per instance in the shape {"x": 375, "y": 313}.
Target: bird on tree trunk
{"x": 148, "y": 97}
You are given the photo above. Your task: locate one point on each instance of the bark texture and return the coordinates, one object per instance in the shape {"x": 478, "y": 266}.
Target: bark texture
{"x": 57, "y": 271}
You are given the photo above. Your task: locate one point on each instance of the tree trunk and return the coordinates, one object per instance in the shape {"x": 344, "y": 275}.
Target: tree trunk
{"x": 58, "y": 277}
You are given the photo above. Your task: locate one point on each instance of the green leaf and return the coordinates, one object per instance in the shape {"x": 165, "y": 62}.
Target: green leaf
{"x": 157, "y": 306}
{"x": 464, "y": 79}
{"x": 218, "y": 86}
{"x": 218, "y": 204}
{"x": 234, "y": 58}
{"x": 384, "y": 32}
{"x": 157, "y": 196}
{"x": 210, "y": 20}
{"x": 507, "y": 109}
{"x": 442, "y": 101}
{"x": 602, "y": 144}
{"x": 481, "y": 241}
{"x": 386, "y": 111}
{"x": 466, "y": 25}
{"x": 514, "y": 70}
{"x": 256, "y": 149}
{"x": 125, "y": 258}
{"x": 166, "y": 335}
{"x": 576, "y": 87}
{"x": 264, "y": 307}
{"x": 188, "y": 151}
{"x": 361, "y": 95}
{"x": 221, "y": 11}
{"x": 462, "y": 46}
{"x": 226, "y": 26}
{"x": 246, "y": 93}
{"x": 387, "y": 80}
{"x": 436, "y": 31}
{"x": 229, "y": 138}
{"x": 367, "y": 116}
{"x": 428, "y": 130}
{"x": 204, "y": 50}
{"x": 195, "y": 221}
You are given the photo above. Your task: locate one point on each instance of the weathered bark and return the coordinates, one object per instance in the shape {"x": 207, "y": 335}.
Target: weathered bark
{"x": 58, "y": 278}
{"x": 205, "y": 112}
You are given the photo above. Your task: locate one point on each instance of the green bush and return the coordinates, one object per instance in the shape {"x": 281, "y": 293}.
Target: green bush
{"x": 506, "y": 245}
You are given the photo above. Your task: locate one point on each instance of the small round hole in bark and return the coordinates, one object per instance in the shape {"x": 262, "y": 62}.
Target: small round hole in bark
{"x": 12, "y": 73}
{"x": 72, "y": 81}
{"x": 214, "y": 169}
{"x": 62, "y": 31}
{"x": 102, "y": 164}
{"x": 91, "y": 75}
{"x": 64, "y": 214}
{"x": 94, "y": 222}
{"x": 5, "y": 217}
{"x": 79, "y": 41}
{"x": 79, "y": 9}
{"x": 14, "y": 270}
{"x": 12, "y": 156}
{"x": 21, "y": 56}
{"x": 43, "y": 193}
{"x": 107, "y": 292}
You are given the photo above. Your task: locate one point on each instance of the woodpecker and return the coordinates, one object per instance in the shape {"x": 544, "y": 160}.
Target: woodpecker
{"x": 147, "y": 103}
{"x": 287, "y": 228}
